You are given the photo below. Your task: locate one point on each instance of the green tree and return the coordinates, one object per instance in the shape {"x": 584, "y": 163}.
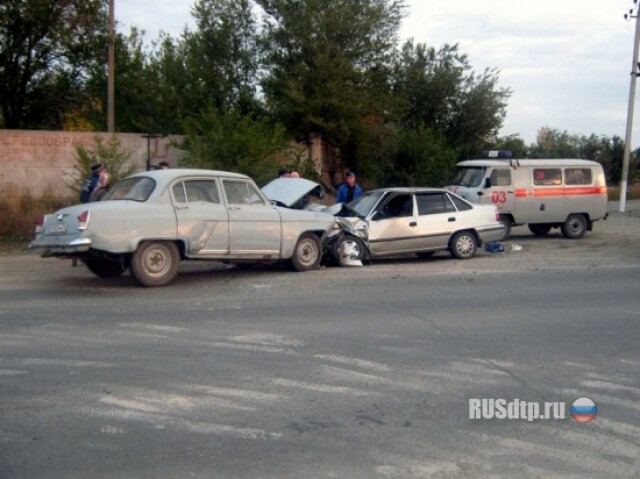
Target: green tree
{"x": 46, "y": 47}
{"x": 233, "y": 141}
{"x": 437, "y": 89}
{"x": 328, "y": 64}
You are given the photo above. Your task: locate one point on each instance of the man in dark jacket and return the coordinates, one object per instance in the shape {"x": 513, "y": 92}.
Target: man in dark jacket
{"x": 90, "y": 183}
{"x": 349, "y": 190}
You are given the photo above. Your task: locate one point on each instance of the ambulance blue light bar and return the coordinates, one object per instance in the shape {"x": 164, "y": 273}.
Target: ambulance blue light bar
{"x": 497, "y": 154}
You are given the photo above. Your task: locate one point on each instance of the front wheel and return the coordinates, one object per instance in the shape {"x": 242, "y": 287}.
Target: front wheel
{"x": 103, "y": 268}
{"x": 574, "y": 227}
{"x": 155, "y": 263}
{"x": 307, "y": 253}
{"x": 463, "y": 245}
{"x": 539, "y": 230}
{"x": 348, "y": 249}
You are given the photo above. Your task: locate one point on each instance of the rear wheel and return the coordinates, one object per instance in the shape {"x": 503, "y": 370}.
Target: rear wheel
{"x": 103, "y": 268}
{"x": 539, "y": 230}
{"x": 307, "y": 253}
{"x": 155, "y": 263}
{"x": 574, "y": 227}
{"x": 463, "y": 245}
{"x": 506, "y": 222}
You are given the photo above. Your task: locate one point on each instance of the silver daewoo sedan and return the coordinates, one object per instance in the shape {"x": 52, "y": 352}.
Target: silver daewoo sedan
{"x": 395, "y": 221}
{"x": 151, "y": 221}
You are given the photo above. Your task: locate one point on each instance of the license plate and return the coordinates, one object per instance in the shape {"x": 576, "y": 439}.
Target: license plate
{"x": 58, "y": 229}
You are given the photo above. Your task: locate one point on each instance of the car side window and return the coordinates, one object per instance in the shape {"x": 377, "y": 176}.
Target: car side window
{"x": 433, "y": 203}
{"x": 460, "y": 204}
{"x": 397, "y": 207}
{"x": 547, "y": 176}
{"x": 500, "y": 177}
{"x": 190, "y": 191}
{"x": 577, "y": 176}
{"x": 241, "y": 193}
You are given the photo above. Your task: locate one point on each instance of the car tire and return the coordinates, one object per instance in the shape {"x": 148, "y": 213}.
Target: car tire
{"x": 155, "y": 263}
{"x": 352, "y": 243}
{"x": 463, "y": 245}
{"x": 506, "y": 222}
{"x": 307, "y": 253}
{"x": 539, "y": 229}
{"x": 574, "y": 227}
{"x": 103, "y": 268}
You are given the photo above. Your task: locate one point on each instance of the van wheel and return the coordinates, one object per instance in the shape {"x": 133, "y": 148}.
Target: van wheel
{"x": 506, "y": 222}
{"x": 539, "y": 230}
{"x": 307, "y": 253}
{"x": 574, "y": 227}
{"x": 463, "y": 245}
{"x": 155, "y": 263}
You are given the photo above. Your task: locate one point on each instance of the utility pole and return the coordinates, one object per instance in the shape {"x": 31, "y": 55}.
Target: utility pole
{"x": 635, "y": 68}
{"x": 111, "y": 73}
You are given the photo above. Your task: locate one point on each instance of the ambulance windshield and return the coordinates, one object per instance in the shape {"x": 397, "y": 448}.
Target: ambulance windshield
{"x": 469, "y": 176}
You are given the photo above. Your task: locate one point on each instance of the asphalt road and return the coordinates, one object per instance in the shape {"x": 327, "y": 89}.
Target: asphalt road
{"x": 336, "y": 373}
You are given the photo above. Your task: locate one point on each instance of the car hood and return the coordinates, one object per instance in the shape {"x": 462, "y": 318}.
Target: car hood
{"x": 292, "y": 192}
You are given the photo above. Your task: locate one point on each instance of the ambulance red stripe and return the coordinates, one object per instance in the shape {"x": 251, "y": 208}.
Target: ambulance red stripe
{"x": 574, "y": 191}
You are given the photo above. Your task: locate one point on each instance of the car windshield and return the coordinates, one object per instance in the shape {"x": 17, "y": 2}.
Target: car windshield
{"x": 363, "y": 205}
{"x": 137, "y": 189}
{"x": 469, "y": 176}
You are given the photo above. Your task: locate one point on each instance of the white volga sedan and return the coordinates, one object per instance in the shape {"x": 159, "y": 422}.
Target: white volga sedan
{"x": 151, "y": 221}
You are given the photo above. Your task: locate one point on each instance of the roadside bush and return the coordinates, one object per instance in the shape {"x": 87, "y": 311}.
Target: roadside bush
{"x": 115, "y": 159}
{"x": 19, "y": 209}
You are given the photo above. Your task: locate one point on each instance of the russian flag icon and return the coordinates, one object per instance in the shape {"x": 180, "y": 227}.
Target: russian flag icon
{"x": 583, "y": 410}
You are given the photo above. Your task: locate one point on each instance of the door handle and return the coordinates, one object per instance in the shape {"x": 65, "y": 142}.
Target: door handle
{"x": 234, "y": 208}
{"x": 413, "y": 224}
{"x": 451, "y": 219}
{"x": 182, "y": 207}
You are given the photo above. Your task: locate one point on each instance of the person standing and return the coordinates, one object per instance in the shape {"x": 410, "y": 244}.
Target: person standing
{"x": 349, "y": 190}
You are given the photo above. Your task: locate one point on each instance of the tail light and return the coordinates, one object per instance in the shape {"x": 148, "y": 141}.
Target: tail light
{"x": 83, "y": 220}
{"x": 40, "y": 224}
{"x": 498, "y": 219}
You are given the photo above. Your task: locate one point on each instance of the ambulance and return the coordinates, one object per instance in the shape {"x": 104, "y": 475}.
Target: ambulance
{"x": 569, "y": 194}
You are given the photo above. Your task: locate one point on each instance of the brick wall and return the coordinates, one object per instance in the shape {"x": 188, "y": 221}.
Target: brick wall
{"x": 40, "y": 160}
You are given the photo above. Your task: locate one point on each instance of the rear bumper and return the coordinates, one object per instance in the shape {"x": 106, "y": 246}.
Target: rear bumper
{"x": 68, "y": 248}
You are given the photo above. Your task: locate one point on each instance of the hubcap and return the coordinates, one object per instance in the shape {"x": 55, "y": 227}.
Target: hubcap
{"x": 157, "y": 261}
{"x": 465, "y": 245}
{"x": 307, "y": 252}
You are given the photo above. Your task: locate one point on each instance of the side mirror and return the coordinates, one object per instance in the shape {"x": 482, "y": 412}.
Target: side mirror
{"x": 487, "y": 182}
{"x": 377, "y": 216}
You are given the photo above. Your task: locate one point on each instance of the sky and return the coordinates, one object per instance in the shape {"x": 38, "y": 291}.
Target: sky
{"x": 567, "y": 62}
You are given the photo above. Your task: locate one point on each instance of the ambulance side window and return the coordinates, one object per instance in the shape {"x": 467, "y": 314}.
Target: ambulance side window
{"x": 500, "y": 177}
{"x": 547, "y": 176}
{"x": 577, "y": 176}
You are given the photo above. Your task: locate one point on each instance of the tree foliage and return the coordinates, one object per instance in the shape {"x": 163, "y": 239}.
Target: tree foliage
{"x": 232, "y": 141}
{"x": 46, "y": 47}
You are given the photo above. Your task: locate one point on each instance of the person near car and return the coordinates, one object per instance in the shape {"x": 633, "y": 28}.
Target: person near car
{"x": 90, "y": 184}
{"x": 284, "y": 172}
{"x": 349, "y": 190}
{"x": 163, "y": 165}
{"x": 102, "y": 185}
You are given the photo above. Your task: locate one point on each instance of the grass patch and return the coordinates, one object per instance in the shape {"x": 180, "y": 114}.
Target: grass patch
{"x": 19, "y": 210}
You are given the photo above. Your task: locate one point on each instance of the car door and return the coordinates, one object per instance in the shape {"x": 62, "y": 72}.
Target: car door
{"x": 255, "y": 228}
{"x": 392, "y": 225}
{"x": 437, "y": 219}
{"x": 201, "y": 216}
